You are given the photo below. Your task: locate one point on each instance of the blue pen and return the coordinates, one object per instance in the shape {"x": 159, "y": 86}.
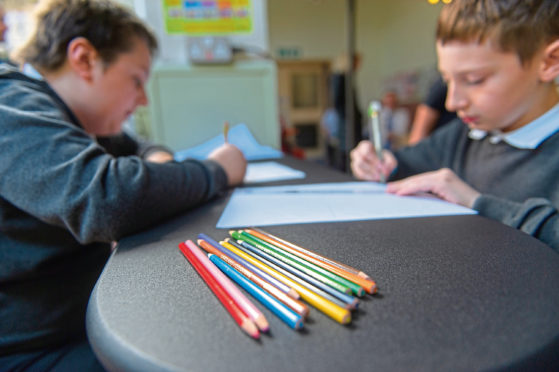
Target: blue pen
{"x": 291, "y": 318}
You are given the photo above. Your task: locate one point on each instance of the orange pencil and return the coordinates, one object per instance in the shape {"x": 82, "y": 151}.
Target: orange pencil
{"x": 297, "y": 306}
{"x": 234, "y": 310}
{"x": 340, "y": 269}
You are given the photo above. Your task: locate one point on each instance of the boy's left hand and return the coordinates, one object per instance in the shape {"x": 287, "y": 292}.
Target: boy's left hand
{"x": 443, "y": 183}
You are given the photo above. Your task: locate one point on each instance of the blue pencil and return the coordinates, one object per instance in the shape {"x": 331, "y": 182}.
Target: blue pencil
{"x": 267, "y": 277}
{"x": 291, "y": 318}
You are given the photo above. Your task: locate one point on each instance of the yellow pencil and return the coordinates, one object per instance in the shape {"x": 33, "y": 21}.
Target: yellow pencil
{"x": 329, "y": 308}
{"x": 225, "y": 130}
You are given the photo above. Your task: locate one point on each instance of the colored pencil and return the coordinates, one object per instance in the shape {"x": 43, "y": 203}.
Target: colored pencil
{"x": 317, "y": 272}
{"x": 270, "y": 279}
{"x": 291, "y": 318}
{"x": 354, "y": 287}
{"x": 367, "y": 284}
{"x": 244, "y": 303}
{"x": 295, "y": 305}
{"x": 225, "y": 131}
{"x": 297, "y": 279}
{"x": 230, "y": 305}
{"x": 334, "y": 311}
{"x": 347, "y": 299}
{"x": 328, "y": 260}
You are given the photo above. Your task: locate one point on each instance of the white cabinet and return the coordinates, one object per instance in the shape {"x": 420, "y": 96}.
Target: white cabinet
{"x": 189, "y": 104}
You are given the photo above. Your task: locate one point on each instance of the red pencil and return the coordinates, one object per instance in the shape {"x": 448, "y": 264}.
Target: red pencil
{"x": 240, "y": 317}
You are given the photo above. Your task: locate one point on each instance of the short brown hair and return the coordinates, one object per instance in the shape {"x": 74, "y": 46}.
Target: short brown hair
{"x": 108, "y": 26}
{"x": 520, "y": 26}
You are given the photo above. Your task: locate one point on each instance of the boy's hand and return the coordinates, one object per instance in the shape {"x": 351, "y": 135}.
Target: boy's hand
{"x": 159, "y": 157}
{"x": 365, "y": 164}
{"x": 443, "y": 183}
{"x": 233, "y": 162}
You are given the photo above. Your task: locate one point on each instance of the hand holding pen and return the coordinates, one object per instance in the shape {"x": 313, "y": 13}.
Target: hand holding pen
{"x": 367, "y": 165}
{"x": 368, "y": 160}
{"x": 230, "y": 158}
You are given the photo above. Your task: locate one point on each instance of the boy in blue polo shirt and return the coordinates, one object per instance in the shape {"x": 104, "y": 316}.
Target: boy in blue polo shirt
{"x": 500, "y": 59}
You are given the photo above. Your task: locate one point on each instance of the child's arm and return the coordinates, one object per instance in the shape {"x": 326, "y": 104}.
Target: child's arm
{"x": 443, "y": 183}
{"x": 538, "y": 217}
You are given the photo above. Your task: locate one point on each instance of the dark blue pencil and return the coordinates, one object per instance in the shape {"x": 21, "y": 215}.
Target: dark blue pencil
{"x": 291, "y": 318}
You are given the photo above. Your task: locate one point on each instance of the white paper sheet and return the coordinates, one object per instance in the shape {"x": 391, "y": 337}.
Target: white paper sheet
{"x": 327, "y": 202}
{"x": 269, "y": 171}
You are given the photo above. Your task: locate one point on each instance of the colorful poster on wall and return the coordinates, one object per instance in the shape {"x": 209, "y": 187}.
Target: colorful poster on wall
{"x": 207, "y": 17}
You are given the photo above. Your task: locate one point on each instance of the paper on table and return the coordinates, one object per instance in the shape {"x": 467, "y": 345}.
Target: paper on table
{"x": 240, "y": 136}
{"x": 270, "y": 171}
{"x": 327, "y": 202}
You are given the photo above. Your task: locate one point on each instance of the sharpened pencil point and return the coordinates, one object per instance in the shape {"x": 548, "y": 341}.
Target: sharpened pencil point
{"x": 249, "y": 327}
{"x": 353, "y": 305}
{"x": 262, "y": 323}
{"x": 364, "y": 276}
{"x": 293, "y": 294}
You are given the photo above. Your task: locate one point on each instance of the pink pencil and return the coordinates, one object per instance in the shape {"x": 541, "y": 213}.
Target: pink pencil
{"x": 236, "y": 312}
{"x": 241, "y": 300}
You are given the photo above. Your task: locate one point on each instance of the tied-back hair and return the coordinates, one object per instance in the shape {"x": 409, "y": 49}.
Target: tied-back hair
{"x": 519, "y": 26}
{"x": 110, "y": 27}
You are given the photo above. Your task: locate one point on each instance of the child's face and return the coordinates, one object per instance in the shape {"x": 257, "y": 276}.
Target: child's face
{"x": 117, "y": 90}
{"x": 489, "y": 89}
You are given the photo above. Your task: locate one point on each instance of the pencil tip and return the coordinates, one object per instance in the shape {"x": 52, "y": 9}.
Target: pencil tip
{"x": 249, "y": 327}
{"x": 363, "y": 275}
{"x": 262, "y": 323}
{"x": 293, "y": 294}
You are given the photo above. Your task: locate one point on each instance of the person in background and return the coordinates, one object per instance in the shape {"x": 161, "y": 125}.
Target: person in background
{"x": 499, "y": 59}
{"x": 72, "y": 184}
{"x": 3, "y": 26}
{"x": 394, "y": 121}
{"x": 3, "y": 30}
{"x": 431, "y": 114}
{"x": 333, "y": 121}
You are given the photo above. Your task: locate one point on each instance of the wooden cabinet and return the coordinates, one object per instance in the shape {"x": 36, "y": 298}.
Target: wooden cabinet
{"x": 303, "y": 95}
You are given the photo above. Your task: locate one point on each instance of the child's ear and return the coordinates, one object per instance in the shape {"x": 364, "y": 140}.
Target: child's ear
{"x": 550, "y": 63}
{"x": 82, "y": 57}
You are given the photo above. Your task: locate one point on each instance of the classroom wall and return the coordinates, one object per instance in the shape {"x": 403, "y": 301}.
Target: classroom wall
{"x": 393, "y": 37}
{"x": 173, "y": 48}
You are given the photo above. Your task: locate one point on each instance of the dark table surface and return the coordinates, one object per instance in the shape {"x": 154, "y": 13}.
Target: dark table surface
{"x": 456, "y": 293}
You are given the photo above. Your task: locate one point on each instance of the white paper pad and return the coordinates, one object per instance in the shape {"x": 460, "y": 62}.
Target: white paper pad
{"x": 269, "y": 171}
{"x": 327, "y": 202}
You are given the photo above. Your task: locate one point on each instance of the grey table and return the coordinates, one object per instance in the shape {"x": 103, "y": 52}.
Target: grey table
{"x": 457, "y": 293}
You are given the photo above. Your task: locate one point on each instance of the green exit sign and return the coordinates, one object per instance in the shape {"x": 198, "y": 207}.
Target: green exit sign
{"x": 289, "y": 52}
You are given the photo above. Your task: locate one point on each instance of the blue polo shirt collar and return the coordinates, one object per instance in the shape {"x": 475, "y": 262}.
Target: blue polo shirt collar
{"x": 529, "y": 136}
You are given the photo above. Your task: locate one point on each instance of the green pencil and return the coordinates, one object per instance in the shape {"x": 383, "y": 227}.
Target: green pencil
{"x": 325, "y": 276}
